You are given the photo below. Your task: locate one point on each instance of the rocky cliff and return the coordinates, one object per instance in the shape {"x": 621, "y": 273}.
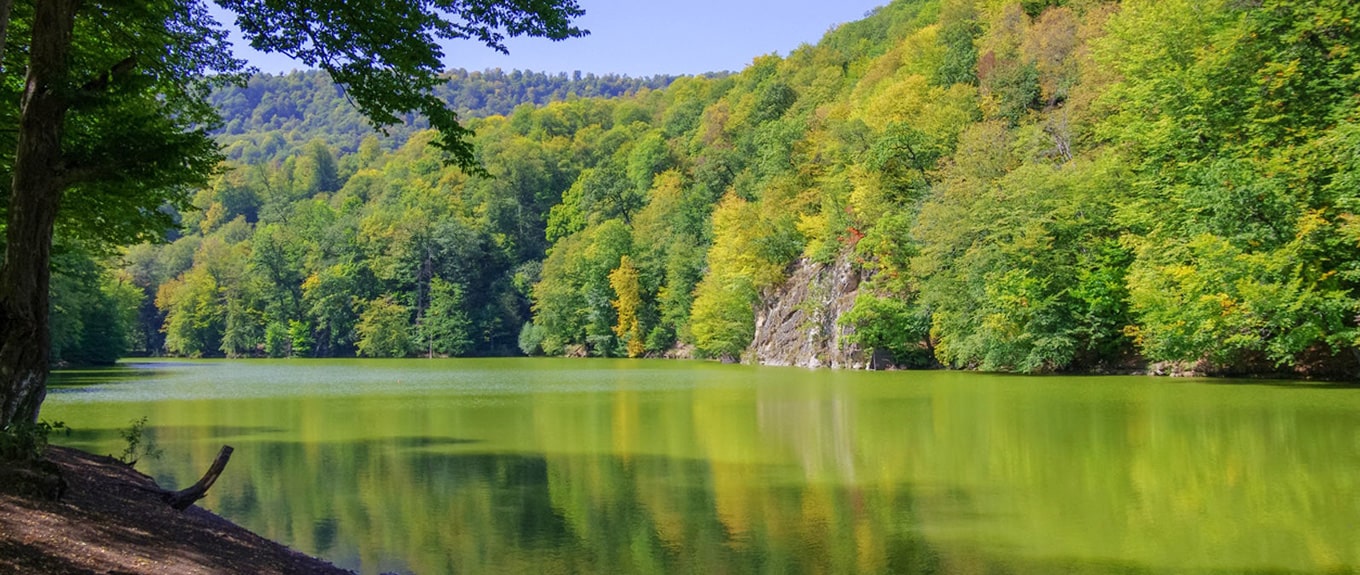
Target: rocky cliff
{"x": 798, "y": 323}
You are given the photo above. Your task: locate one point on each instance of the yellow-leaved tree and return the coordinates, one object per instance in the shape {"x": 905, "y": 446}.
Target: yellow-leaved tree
{"x": 624, "y": 281}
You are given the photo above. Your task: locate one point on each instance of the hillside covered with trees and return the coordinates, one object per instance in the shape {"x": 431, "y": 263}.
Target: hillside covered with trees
{"x": 1026, "y": 186}
{"x": 273, "y": 115}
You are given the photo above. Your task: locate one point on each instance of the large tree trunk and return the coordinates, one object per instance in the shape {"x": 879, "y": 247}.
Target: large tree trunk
{"x": 34, "y": 199}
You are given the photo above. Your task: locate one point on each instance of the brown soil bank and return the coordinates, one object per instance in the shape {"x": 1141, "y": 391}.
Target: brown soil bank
{"x": 111, "y": 520}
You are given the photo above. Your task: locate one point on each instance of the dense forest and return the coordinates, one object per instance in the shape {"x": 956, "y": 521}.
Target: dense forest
{"x": 1028, "y": 186}
{"x": 273, "y": 115}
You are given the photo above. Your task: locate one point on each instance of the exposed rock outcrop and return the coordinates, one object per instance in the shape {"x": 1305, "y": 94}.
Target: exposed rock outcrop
{"x": 798, "y": 323}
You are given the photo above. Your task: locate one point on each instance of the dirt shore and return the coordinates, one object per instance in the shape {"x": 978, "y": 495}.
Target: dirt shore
{"x": 111, "y": 520}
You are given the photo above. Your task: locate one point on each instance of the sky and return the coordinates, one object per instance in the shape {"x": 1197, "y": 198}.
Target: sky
{"x": 648, "y": 37}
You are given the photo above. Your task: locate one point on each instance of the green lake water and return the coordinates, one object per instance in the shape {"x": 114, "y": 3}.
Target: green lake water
{"x": 602, "y": 466}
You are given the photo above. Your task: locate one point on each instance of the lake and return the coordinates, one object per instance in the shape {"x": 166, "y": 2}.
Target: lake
{"x": 650, "y": 466}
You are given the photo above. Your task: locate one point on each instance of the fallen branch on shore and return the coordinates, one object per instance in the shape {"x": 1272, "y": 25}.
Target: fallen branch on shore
{"x": 182, "y": 499}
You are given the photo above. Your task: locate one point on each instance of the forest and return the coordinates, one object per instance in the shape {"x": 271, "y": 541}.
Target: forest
{"x": 273, "y": 115}
{"x": 1034, "y": 186}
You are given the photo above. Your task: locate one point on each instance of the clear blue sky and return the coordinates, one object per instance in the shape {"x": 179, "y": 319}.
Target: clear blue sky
{"x": 646, "y": 37}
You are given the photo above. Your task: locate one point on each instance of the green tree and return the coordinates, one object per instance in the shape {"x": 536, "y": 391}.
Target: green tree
{"x": 276, "y": 257}
{"x": 723, "y": 320}
{"x": 892, "y": 327}
{"x": 382, "y": 329}
{"x": 329, "y": 297}
{"x": 447, "y": 327}
{"x": 194, "y": 315}
{"x": 94, "y": 310}
{"x": 300, "y": 339}
{"x": 572, "y": 300}
{"x": 241, "y": 334}
{"x": 531, "y": 339}
{"x": 959, "y": 30}
{"x": 1013, "y": 272}
{"x": 276, "y": 341}
{"x": 315, "y": 171}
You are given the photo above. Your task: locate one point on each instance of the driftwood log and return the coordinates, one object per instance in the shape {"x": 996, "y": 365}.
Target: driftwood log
{"x": 183, "y": 498}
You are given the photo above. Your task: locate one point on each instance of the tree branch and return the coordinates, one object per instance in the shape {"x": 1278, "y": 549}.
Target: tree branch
{"x": 181, "y": 500}
{"x": 101, "y": 82}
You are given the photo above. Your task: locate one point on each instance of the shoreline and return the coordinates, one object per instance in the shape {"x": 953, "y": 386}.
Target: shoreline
{"x": 1304, "y": 373}
{"x": 110, "y": 519}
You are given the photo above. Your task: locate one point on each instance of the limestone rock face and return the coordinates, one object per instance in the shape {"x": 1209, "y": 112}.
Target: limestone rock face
{"x": 798, "y": 323}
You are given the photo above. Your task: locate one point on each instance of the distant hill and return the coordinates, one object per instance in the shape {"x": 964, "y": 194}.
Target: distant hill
{"x": 275, "y": 114}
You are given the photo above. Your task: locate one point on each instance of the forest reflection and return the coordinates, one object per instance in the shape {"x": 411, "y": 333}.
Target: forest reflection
{"x": 788, "y": 471}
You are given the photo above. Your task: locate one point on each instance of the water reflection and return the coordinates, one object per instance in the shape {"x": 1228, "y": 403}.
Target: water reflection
{"x": 75, "y": 380}
{"x": 641, "y": 467}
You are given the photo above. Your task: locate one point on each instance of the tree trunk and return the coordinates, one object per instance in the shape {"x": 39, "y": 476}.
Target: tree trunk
{"x": 5, "y": 7}
{"x": 34, "y": 199}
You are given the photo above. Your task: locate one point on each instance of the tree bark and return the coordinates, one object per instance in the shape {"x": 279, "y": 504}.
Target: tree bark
{"x": 5, "y": 7}
{"x": 182, "y": 499}
{"x": 35, "y": 196}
